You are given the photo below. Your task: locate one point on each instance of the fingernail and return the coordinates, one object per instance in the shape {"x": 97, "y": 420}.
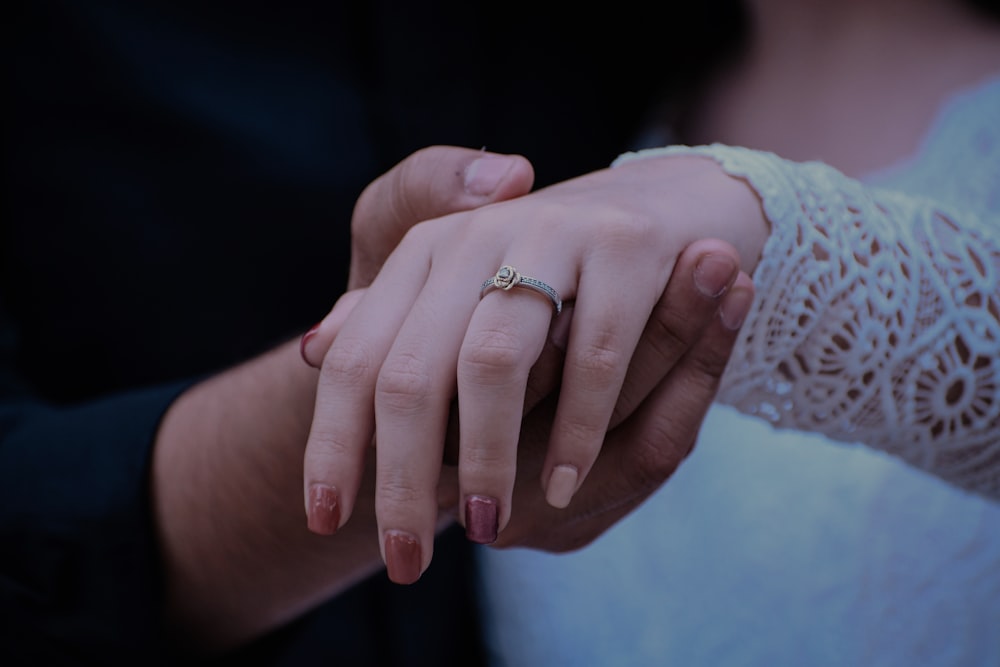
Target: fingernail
{"x": 562, "y": 485}
{"x": 735, "y": 308}
{"x": 324, "y": 509}
{"x": 484, "y": 175}
{"x": 713, "y": 274}
{"x": 306, "y": 337}
{"x": 402, "y": 557}
{"x": 481, "y": 517}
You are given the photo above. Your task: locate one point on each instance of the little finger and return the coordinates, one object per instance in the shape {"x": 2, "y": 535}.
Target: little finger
{"x": 611, "y": 309}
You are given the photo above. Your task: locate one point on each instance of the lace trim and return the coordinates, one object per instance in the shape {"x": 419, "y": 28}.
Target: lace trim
{"x": 877, "y": 318}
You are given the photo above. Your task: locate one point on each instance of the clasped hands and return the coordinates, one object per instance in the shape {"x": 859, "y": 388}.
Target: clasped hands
{"x": 560, "y": 423}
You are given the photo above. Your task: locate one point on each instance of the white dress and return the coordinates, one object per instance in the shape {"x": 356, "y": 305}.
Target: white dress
{"x": 782, "y": 540}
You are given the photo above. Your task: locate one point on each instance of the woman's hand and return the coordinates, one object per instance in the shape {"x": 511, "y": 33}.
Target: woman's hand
{"x": 675, "y": 377}
{"x": 421, "y": 334}
{"x": 227, "y": 462}
{"x": 683, "y": 354}
{"x": 431, "y": 182}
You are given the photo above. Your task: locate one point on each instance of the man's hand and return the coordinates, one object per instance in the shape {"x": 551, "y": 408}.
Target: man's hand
{"x": 685, "y": 349}
{"x": 672, "y": 381}
{"x": 432, "y": 182}
{"x": 227, "y": 472}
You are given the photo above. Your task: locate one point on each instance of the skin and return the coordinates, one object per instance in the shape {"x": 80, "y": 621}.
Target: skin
{"x": 811, "y": 84}
{"x": 227, "y": 464}
{"x": 795, "y": 91}
{"x": 227, "y": 467}
{"x": 691, "y": 334}
{"x": 421, "y": 335}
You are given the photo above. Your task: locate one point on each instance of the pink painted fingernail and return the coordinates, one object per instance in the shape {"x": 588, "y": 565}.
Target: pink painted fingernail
{"x": 484, "y": 175}
{"x": 306, "y": 337}
{"x": 712, "y": 275}
{"x": 735, "y": 308}
{"x": 402, "y": 557}
{"x": 562, "y": 485}
{"x": 482, "y": 514}
{"x": 323, "y": 513}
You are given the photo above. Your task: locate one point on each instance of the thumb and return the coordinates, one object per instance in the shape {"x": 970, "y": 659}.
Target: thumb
{"x": 430, "y": 183}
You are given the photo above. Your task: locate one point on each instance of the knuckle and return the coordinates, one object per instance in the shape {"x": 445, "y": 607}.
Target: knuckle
{"x": 652, "y": 462}
{"x": 666, "y": 335}
{"x": 708, "y": 363}
{"x": 482, "y": 465}
{"x": 404, "y": 383}
{"x": 582, "y": 434}
{"x": 423, "y": 155}
{"x": 349, "y": 361}
{"x": 328, "y": 449}
{"x": 371, "y": 203}
{"x": 405, "y": 190}
{"x": 490, "y": 354}
{"x": 364, "y": 206}
{"x": 397, "y": 200}
{"x": 426, "y": 185}
{"x": 397, "y": 492}
{"x": 601, "y": 359}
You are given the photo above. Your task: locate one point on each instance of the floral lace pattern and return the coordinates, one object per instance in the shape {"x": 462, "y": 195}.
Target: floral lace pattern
{"x": 778, "y": 547}
{"x": 877, "y": 318}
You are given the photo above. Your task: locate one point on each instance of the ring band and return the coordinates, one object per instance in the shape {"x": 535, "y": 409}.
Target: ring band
{"x": 508, "y": 278}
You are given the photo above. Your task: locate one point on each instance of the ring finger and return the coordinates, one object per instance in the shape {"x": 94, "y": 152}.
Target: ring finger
{"x": 413, "y": 398}
{"x": 504, "y": 340}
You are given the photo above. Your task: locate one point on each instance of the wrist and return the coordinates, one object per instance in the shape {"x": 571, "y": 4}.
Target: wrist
{"x": 705, "y": 201}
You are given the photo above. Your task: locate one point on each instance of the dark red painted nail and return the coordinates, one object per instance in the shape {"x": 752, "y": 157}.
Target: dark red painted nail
{"x": 482, "y": 514}
{"x": 324, "y": 509}
{"x": 402, "y": 557}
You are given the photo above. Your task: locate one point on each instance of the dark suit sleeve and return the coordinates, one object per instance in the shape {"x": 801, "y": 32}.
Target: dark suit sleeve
{"x": 79, "y": 572}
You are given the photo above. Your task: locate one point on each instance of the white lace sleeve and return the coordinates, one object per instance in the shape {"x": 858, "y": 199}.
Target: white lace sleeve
{"x": 877, "y": 318}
